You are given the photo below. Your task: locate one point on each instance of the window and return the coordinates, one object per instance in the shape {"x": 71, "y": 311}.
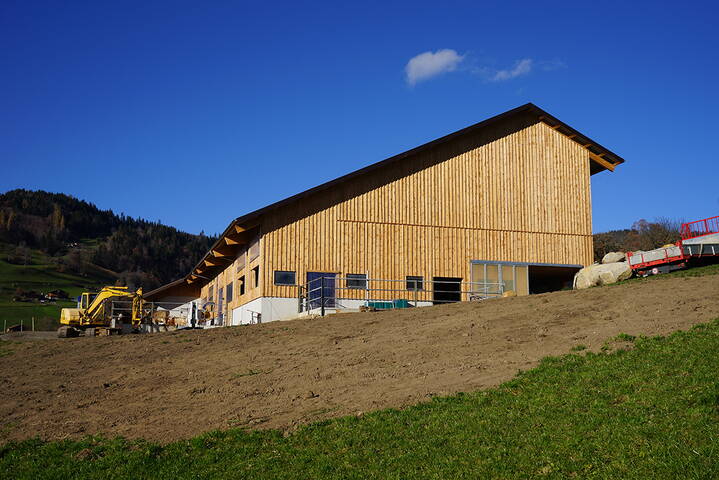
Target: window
{"x": 356, "y": 280}
{"x": 414, "y": 282}
{"x": 241, "y": 260}
{"x": 228, "y": 293}
{"x": 256, "y": 277}
{"x": 241, "y": 285}
{"x": 283, "y": 277}
{"x": 210, "y": 293}
{"x": 254, "y": 248}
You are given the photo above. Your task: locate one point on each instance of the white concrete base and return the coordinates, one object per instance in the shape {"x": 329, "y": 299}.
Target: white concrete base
{"x": 247, "y": 314}
{"x": 272, "y": 309}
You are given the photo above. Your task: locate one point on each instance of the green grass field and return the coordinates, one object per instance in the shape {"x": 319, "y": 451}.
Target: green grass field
{"x": 40, "y": 275}
{"x": 648, "y": 412}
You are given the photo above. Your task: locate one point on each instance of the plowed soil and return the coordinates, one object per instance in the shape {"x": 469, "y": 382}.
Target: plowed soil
{"x": 176, "y": 385}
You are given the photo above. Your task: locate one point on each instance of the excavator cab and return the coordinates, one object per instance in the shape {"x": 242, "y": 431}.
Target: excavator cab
{"x": 86, "y": 300}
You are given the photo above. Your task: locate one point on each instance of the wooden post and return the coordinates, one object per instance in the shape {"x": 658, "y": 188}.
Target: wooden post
{"x": 4, "y": 326}
{"x": 299, "y": 298}
{"x": 21, "y": 325}
{"x": 33, "y": 324}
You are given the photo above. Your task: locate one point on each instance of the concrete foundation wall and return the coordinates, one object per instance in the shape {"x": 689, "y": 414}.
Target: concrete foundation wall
{"x": 243, "y": 315}
{"x": 274, "y": 309}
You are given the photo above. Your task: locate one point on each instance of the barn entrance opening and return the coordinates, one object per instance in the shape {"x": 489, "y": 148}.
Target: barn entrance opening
{"x": 546, "y": 278}
{"x": 446, "y": 290}
{"x": 491, "y": 279}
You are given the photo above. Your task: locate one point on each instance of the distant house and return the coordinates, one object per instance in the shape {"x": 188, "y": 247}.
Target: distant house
{"x": 501, "y": 205}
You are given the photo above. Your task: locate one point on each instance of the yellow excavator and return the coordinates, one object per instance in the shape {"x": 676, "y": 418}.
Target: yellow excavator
{"x": 103, "y": 313}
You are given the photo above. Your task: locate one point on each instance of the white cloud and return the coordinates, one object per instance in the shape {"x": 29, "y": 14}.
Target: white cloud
{"x": 549, "y": 65}
{"x": 521, "y": 67}
{"x": 427, "y": 65}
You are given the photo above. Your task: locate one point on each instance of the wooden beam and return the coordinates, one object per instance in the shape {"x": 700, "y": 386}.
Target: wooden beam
{"x": 215, "y": 262}
{"x": 233, "y": 240}
{"x": 601, "y": 161}
{"x": 223, "y": 253}
{"x": 246, "y": 227}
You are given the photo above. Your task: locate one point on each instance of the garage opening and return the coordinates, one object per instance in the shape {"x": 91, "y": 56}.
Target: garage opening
{"x": 446, "y": 290}
{"x": 545, "y": 278}
{"x": 495, "y": 278}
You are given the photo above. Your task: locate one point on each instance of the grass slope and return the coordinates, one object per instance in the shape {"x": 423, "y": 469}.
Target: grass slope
{"x": 648, "y": 412}
{"x": 41, "y": 275}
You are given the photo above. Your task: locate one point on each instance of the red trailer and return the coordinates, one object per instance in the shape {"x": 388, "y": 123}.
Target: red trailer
{"x": 700, "y": 241}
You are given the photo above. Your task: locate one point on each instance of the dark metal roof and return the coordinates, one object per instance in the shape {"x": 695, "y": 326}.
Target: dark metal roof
{"x": 597, "y": 151}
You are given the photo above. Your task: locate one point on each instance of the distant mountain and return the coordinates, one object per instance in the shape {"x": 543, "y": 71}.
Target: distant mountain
{"x": 78, "y": 235}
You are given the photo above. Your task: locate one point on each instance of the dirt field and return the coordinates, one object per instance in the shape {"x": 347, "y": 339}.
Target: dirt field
{"x": 279, "y": 375}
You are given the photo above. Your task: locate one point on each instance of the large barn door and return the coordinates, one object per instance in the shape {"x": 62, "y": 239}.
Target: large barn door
{"x": 321, "y": 285}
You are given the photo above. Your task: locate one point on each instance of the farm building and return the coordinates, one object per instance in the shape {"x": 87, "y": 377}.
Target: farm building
{"x": 501, "y": 205}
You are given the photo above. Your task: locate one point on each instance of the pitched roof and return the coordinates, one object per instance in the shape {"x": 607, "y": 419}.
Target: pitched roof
{"x": 602, "y": 159}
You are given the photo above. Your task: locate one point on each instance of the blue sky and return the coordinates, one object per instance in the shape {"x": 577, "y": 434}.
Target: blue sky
{"x": 194, "y": 113}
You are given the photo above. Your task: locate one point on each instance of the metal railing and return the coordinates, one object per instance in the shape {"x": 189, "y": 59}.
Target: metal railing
{"x": 343, "y": 293}
{"x": 699, "y": 228}
{"x": 255, "y": 317}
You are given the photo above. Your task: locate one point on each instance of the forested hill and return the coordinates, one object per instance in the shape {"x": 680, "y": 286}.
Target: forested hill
{"x": 76, "y": 233}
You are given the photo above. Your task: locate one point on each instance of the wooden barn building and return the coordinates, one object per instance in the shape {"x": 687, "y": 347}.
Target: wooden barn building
{"x": 501, "y": 205}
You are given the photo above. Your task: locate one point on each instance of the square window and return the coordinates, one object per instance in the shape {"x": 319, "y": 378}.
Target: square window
{"x": 283, "y": 277}
{"x": 414, "y": 282}
{"x": 356, "y": 280}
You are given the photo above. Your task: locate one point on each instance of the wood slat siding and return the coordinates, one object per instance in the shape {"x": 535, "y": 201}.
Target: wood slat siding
{"x": 231, "y": 274}
{"x": 518, "y": 192}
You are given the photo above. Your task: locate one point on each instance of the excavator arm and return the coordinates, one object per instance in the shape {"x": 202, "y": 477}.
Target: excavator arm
{"x": 96, "y": 311}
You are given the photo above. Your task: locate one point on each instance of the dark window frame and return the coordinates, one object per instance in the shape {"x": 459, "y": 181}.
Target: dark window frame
{"x": 241, "y": 282}
{"x": 292, "y": 272}
{"x": 229, "y": 292}
{"x": 414, "y": 283}
{"x": 356, "y": 281}
{"x": 256, "y": 276}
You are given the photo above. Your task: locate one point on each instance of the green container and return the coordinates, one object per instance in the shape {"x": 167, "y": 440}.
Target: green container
{"x": 380, "y": 305}
{"x": 401, "y": 303}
